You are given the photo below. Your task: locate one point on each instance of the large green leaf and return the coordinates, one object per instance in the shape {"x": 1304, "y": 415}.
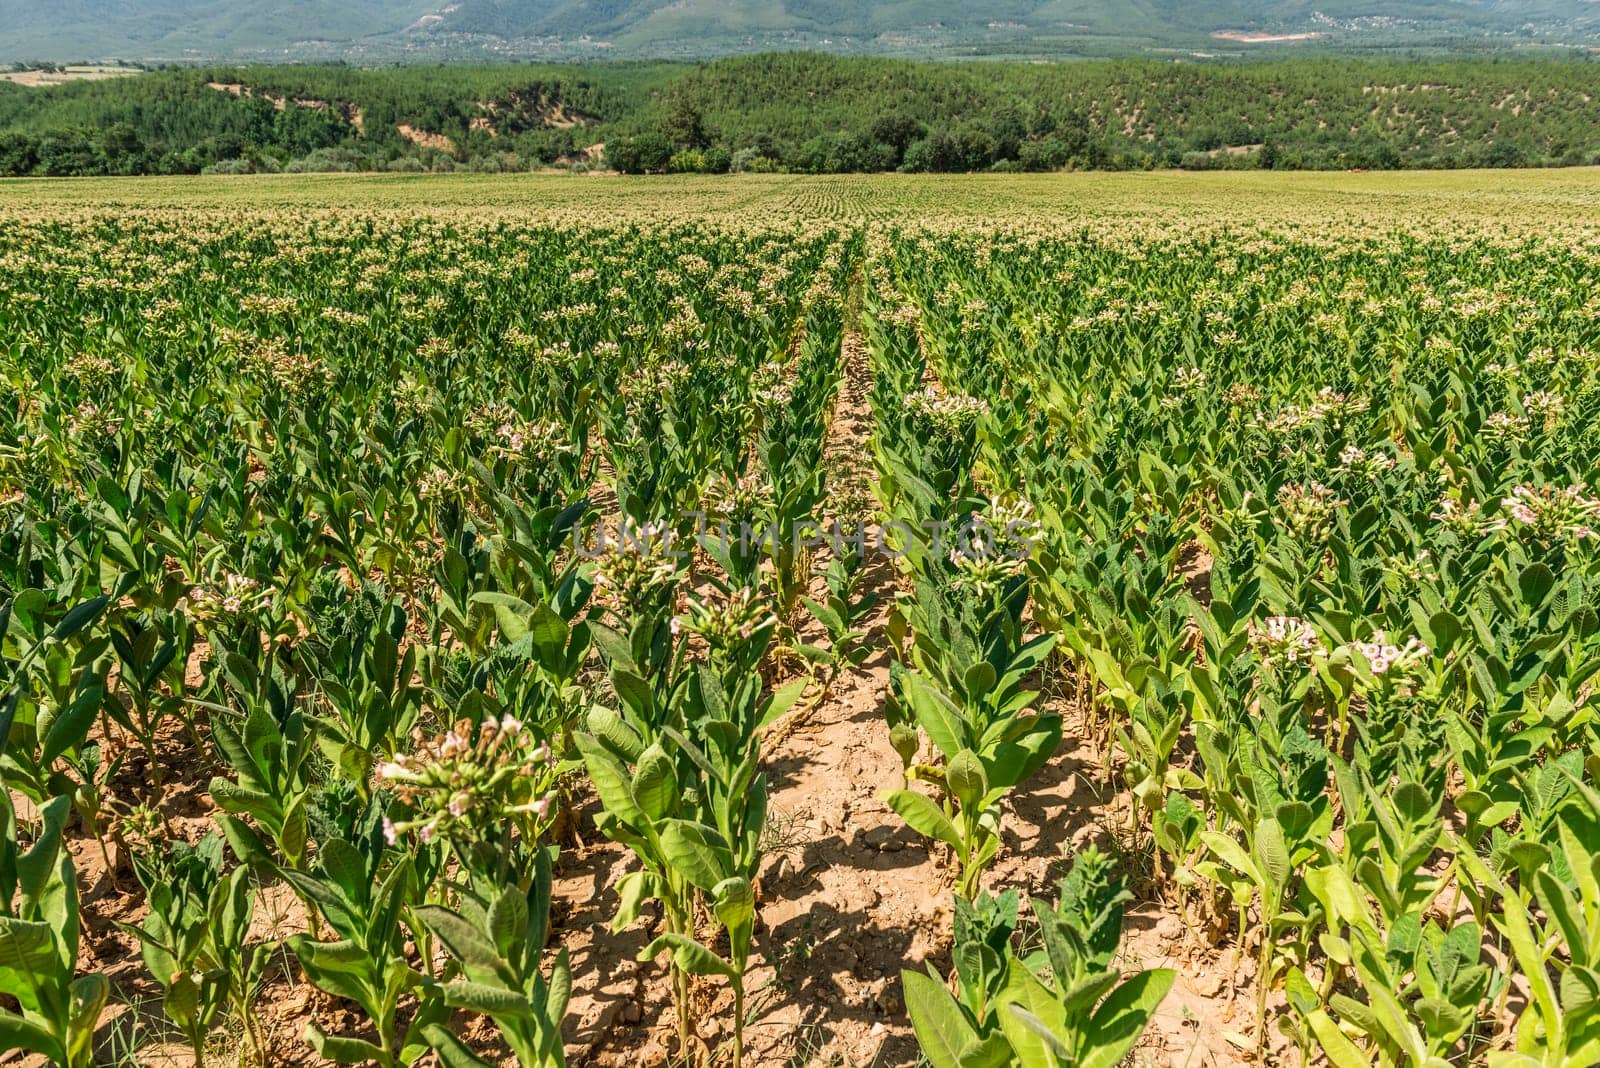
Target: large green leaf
{"x": 1121, "y": 1019}
{"x": 688, "y": 956}
{"x": 28, "y": 962}
{"x": 490, "y": 1000}
{"x": 941, "y": 1028}
{"x": 453, "y": 1053}
{"x": 923, "y": 816}
{"x": 342, "y": 1050}
{"x": 695, "y": 852}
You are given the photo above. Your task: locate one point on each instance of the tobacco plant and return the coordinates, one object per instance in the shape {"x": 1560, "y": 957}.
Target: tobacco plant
{"x": 57, "y": 1009}
{"x": 498, "y": 943}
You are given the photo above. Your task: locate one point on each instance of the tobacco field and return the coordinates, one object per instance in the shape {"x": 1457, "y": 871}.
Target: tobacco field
{"x": 1167, "y": 638}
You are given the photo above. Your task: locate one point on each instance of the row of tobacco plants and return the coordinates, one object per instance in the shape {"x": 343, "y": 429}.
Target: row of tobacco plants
{"x": 405, "y": 541}
{"x": 1317, "y": 536}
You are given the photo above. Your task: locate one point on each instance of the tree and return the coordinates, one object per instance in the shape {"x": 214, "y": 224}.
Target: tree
{"x": 655, "y": 152}
{"x": 683, "y": 124}
{"x": 622, "y": 154}
{"x": 123, "y": 151}
{"x": 19, "y": 154}
{"x": 1008, "y": 131}
{"x": 897, "y": 131}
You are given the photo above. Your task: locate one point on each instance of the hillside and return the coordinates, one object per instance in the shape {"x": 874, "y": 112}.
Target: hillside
{"x": 304, "y": 30}
{"x": 808, "y": 112}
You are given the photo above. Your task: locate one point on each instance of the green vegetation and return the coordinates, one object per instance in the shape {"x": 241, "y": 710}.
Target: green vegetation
{"x": 810, "y": 113}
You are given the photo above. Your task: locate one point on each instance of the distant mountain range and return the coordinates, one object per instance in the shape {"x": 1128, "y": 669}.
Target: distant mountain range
{"x": 356, "y": 30}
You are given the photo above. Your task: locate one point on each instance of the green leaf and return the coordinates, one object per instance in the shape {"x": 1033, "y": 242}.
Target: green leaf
{"x": 611, "y": 781}
{"x": 1535, "y": 583}
{"x": 936, "y": 714}
{"x": 1232, "y": 854}
{"x": 508, "y": 922}
{"x": 655, "y": 783}
{"x": 17, "y": 1033}
{"x": 966, "y": 778}
{"x": 1034, "y": 1019}
{"x": 347, "y": 869}
{"x": 1122, "y": 1017}
{"x": 89, "y": 994}
{"x": 490, "y": 1000}
{"x": 549, "y": 633}
{"x": 342, "y": 1050}
{"x": 688, "y": 956}
{"x": 941, "y": 1028}
{"x": 345, "y": 918}
{"x": 923, "y": 816}
{"x": 781, "y": 700}
{"x": 633, "y": 890}
{"x": 78, "y": 617}
{"x": 510, "y": 612}
{"x": 452, "y": 1052}
{"x": 614, "y": 733}
{"x": 464, "y": 941}
{"x": 1340, "y": 1051}
{"x": 633, "y": 691}
{"x": 27, "y": 961}
{"x": 1272, "y": 853}
{"x": 735, "y": 903}
{"x": 696, "y": 852}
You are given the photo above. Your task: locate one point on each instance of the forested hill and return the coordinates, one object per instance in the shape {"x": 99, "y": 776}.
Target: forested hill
{"x": 807, "y": 112}
{"x": 365, "y": 30}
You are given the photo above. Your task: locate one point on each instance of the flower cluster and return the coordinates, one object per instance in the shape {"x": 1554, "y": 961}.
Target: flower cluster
{"x": 1464, "y": 520}
{"x": 1384, "y": 658}
{"x": 994, "y": 546}
{"x": 1187, "y": 381}
{"x": 444, "y": 484}
{"x": 1242, "y": 395}
{"x": 1505, "y": 426}
{"x": 1544, "y": 406}
{"x": 740, "y": 498}
{"x": 1551, "y": 513}
{"x": 411, "y": 398}
{"x": 639, "y": 567}
{"x": 904, "y": 315}
{"x": 654, "y": 381}
{"x": 264, "y": 304}
{"x": 466, "y": 782}
{"x": 1358, "y": 461}
{"x": 949, "y": 411}
{"x": 292, "y": 372}
{"x": 435, "y": 348}
{"x": 1418, "y": 568}
{"x": 517, "y": 440}
{"x": 771, "y": 385}
{"x": 726, "y": 622}
{"x": 1308, "y": 509}
{"x": 89, "y": 370}
{"x": 91, "y": 423}
{"x": 1328, "y": 406}
{"x": 1283, "y": 641}
{"x": 236, "y": 595}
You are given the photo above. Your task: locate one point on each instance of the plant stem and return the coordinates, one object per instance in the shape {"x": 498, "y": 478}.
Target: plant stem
{"x": 1263, "y": 963}
{"x": 738, "y": 1024}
